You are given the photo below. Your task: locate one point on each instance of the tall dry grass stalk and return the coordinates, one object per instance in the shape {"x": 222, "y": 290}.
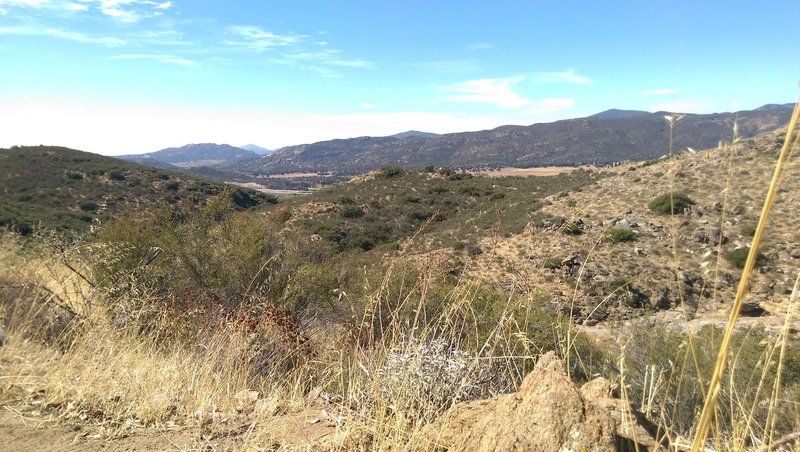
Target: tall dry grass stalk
{"x": 709, "y": 408}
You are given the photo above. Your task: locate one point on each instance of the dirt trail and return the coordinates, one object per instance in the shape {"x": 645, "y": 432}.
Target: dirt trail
{"x": 24, "y": 430}
{"x": 20, "y": 432}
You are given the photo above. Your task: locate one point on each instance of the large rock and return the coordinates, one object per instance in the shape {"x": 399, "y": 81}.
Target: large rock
{"x": 548, "y": 412}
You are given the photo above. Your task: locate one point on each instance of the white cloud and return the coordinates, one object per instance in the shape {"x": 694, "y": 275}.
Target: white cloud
{"x": 685, "y": 106}
{"x": 125, "y": 10}
{"x": 120, "y": 14}
{"x": 77, "y": 7}
{"x": 568, "y": 76}
{"x": 32, "y": 3}
{"x": 328, "y": 57}
{"x": 168, "y": 59}
{"x": 368, "y": 106}
{"x": 256, "y": 39}
{"x": 495, "y": 91}
{"x": 659, "y": 92}
{"x": 294, "y": 50}
{"x": 545, "y": 106}
{"x": 68, "y": 35}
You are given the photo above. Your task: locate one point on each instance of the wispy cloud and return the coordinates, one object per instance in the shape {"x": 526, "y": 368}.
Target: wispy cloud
{"x": 107, "y": 41}
{"x": 659, "y": 92}
{"x": 569, "y": 76}
{"x": 495, "y": 91}
{"x": 120, "y": 10}
{"x": 544, "y": 106}
{"x": 77, "y": 6}
{"x": 161, "y": 37}
{"x": 292, "y": 49}
{"x": 328, "y": 57}
{"x": 161, "y": 58}
{"x": 130, "y": 10}
{"x": 258, "y": 40}
{"x": 33, "y": 3}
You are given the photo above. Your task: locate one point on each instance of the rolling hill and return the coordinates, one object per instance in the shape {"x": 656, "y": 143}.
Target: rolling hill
{"x": 65, "y": 189}
{"x": 192, "y": 155}
{"x": 605, "y": 138}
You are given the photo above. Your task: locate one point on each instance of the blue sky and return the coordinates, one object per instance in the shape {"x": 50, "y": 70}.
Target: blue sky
{"x": 129, "y": 76}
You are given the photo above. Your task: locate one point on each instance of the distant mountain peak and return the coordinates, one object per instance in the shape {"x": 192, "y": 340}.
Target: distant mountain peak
{"x": 615, "y": 113}
{"x": 768, "y": 107}
{"x": 257, "y": 149}
{"x": 415, "y": 134}
{"x": 195, "y": 152}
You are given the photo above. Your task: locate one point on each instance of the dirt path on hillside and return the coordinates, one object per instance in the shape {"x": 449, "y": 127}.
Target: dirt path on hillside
{"x": 21, "y": 432}
{"x": 24, "y": 429}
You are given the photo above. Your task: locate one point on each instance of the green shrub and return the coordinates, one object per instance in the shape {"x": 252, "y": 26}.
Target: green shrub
{"x": 473, "y": 250}
{"x": 619, "y": 285}
{"x": 349, "y": 211}
{"x": 172, "y": 185}
{"x": 419, "y": 215}
{"x": 389, "y": 171}
{"x": 74, "y": 176}
{"x": 617, "y": 235}
{"x": 23, "y": 229}
{"x": 470, "y": 190}
{"x": 89, "y": 206}
{"x": 738, "y": 257}
{"x": 116, "y": 175}
{"x": 572, "y": 229}
{"x": 677, "y": 362}
{"x": 670, "y": 203}
{"x": 747, "y": 230}
{"x": 552, "y": 263}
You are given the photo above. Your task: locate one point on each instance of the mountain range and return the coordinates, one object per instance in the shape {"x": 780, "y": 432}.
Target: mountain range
{"x": 604, "y": 138}
{"x": 601, "y": 139}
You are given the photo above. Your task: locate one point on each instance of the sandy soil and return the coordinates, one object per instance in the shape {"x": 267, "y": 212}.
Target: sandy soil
{"x": 24, "y": 428}
{"x": 543, "y": 171}
{"x": 23, "y": 432}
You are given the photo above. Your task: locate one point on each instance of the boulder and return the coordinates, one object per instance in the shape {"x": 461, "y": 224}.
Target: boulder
{"x": 716, "y": 236}
{"x": 548, "y": 412}
{"x": 699, "y": 235}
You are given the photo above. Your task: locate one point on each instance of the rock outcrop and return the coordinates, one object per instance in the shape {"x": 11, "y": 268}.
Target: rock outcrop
{"x": 548, "y": 412}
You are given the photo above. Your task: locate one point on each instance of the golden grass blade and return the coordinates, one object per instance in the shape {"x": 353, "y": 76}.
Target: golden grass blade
{"x": 709, "y": 407}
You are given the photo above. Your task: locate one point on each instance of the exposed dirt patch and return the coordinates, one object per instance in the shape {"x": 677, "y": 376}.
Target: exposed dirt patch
{"x": 21, "y": 431}
{"x": 543, "y": 171}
